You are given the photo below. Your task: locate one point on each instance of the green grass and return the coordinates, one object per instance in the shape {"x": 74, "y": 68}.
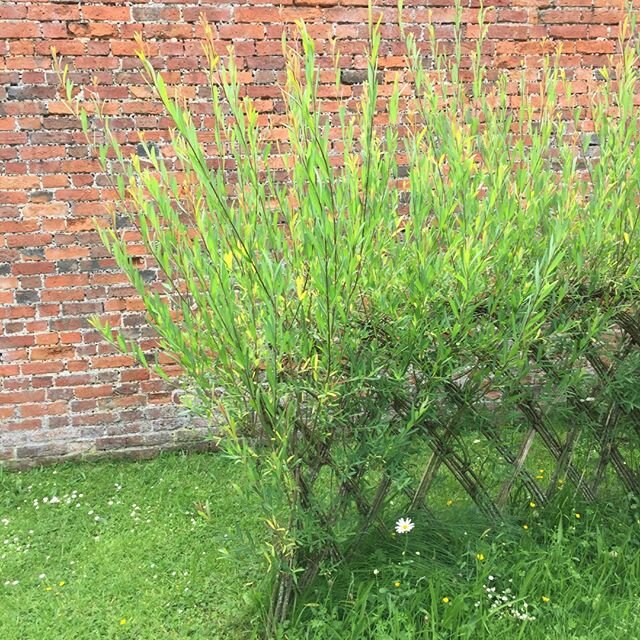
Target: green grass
{"x": 575, "y": 578}
{"x": 141, "y": 543}
{"x": 125, "y": 543}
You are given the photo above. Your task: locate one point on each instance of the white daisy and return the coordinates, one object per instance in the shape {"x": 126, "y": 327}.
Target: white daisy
{"x": 404, "y": 525}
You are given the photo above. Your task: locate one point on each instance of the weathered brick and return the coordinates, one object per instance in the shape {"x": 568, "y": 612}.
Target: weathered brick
{"x": 20, "y": 29}
{"x": 39, "y": 410}
{"x": 53, "y": 12}
{"x": 91, "y": 30}
{"x": 52, "y": 353}
{"x": 45, "y": 210}
{"x": 105, "y": 12}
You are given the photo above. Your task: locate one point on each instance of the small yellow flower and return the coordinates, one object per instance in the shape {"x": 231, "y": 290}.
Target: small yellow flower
{"x": 532, "y": 504}
{"x": 61, "y": 583}
{"x": 480, "y": 557}
{"x": 48, "y": 588}
{"x": 545, "y": 599}
{"x": 123, "y": 621}
{"x": 449, "y": 502}
{"x": 525, "y": 526}
{"x": 396, "y": 583}
{"x": 540, "y": 477}
{"x": 578, "y": 516}
{"x": 540, "y": 470}
{"x": 445, "y": 600}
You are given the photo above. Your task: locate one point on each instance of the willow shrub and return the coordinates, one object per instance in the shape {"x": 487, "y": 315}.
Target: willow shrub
{"x": 441, "y": 233}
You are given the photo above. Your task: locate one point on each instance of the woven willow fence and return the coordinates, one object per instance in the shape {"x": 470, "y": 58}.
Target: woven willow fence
{"x": 586, "y": 431}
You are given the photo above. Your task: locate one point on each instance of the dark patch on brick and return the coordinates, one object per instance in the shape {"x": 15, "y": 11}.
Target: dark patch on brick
{"x": 148, "y": 275}
{"x": 27, "y": 296}
{"x": 122, "y": 222}
{"x": 115, "y": 442}
{"x": 600, "y": 75}
{"x": 14, "y": 327}
{"x": 144, "y": 150}
{"x": 33, "y": 252}
{"x": 32, "y": 93}
{"x": 353, "y": 76}
{"x": 41, "y": 450}
{"x": 67, "y": 266}
{"x": 91, "y": 266}
{"x": 5, "y": 269}
{"x": 134, "y": 320}
{"x": 40, "y": 196}
{"x": 358, "y": 76}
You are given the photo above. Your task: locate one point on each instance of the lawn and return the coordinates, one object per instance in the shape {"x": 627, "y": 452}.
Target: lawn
{"x": 163, "y": 549}
{"x": 118, "y": 550}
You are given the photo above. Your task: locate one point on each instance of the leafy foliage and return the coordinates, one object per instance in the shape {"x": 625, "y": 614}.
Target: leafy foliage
{"x": 345, "y": 313}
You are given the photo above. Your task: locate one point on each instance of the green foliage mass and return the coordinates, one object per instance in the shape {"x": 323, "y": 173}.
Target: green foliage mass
{"x": 439, "y": 242}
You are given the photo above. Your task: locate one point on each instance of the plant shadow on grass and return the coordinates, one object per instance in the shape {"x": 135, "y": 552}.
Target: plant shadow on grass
{"x": 571, "y": 571}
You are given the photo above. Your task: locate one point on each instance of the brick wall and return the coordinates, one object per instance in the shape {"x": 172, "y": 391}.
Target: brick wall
{"x": 62, "y": 390}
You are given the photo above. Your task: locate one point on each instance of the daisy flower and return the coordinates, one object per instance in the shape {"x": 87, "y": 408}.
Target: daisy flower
{"x": 404, "y": 525}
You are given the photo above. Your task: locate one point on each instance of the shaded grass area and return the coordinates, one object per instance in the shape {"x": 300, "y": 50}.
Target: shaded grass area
{"x": 570, "y": 573}
{"x": 138, "y": 550}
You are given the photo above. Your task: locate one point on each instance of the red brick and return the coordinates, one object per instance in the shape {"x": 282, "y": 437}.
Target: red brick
{"x": 51, "y": 353}
{"x": 45, "y": 210}
{"x": 42, "y": 409}
{"x": 255, "y": 15}
{"x": 18, "y": 311}
{"x": 98, "y": 391}
{"x": 109, "y": 13}
{"x": 66, "y": 253}
{"x": 20, "y": 29}
{"x": 51, "y": 12}
{"x": 15, "y": 12}
{"x": 111, "y": 362}
{"x": 19, "y": 182}
{"x": 569, "y": 32}
{"x": 23, "y": 425}
{"x": 28, "y": 239}
{"x": 7, "y": 412}
{"x": 10, "y": 342}
{"x": 41, "y": 367}
{"x": 242, "y": 32}
{"x": 9, "y": 283}
{"x": 595, "y": 46}
{"x": 21, "y": 397}
{"x": 62, "y": 295}
{"x": 561, "y": 16}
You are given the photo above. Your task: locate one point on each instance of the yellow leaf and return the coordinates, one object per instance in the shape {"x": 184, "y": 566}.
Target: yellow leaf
{"x": 300, "y": 287}
{"x": 228, "y": 259}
